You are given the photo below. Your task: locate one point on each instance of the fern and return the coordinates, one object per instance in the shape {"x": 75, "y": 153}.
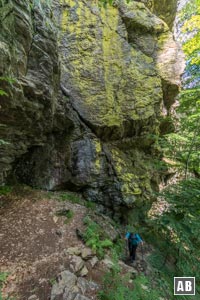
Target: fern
{"x": 106, "y": 243}
{"x": 7, "y": 79}
{"x": 95, "y": 238}
{"x": 3, "y": 93}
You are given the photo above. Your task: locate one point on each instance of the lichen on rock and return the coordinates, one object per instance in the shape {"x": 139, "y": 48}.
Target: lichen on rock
{"x": 90, "y": 85}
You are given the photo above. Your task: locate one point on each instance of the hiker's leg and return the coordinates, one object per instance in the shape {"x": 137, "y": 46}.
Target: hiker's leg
{"x": 134, "y": 252}
{"x": 131, "y": 253}
{"x": 130, "y": 249}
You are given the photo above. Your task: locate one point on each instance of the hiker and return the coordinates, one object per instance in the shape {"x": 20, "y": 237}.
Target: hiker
{"x": 133, "y": 240}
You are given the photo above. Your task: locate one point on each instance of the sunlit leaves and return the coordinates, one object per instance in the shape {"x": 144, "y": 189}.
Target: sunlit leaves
{"x": 192, "y": 45}
{"x": 184, "y": 145}
{"x": 189, "y": 9}
{"x": 192, "y": 24}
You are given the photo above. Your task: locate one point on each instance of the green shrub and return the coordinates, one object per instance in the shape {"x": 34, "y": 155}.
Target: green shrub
{"x": 118, "y": 287}
{"x": 69, "y": 214}
{"x": 176, "y": 234}
{"x": 106, "y": 243}
{"x": 4, "y": 190}
{"x": 95, "y": 238}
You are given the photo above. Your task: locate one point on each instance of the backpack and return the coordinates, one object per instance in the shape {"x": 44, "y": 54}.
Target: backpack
{"x": 133, "y": 239}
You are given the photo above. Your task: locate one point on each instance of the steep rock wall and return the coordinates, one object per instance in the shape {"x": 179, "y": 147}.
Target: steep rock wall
{"x": 85, "y": 107}
{"x": 31, "y": 115}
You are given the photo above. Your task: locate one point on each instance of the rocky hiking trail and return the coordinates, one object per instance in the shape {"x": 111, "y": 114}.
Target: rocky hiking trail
{"x": 42, "y": 254}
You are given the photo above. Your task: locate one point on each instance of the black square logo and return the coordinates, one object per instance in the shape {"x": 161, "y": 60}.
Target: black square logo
{"x": 184, "y": 285}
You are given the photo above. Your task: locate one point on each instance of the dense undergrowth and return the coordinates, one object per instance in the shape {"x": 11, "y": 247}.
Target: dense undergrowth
{"x": 177, "y": 232}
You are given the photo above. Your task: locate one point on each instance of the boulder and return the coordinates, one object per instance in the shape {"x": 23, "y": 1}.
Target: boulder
{"x": 82, "y": 284}
{"x": 81, "y": 297}
{"x": 108, "y": 263}
{"x": 93, "y": 261}
{"x": 33, "y": 297}
{"x": 73, "y": 251}
{"x": 66, "y": 280}
{"x": 86, "y": 253}
{"x": 83, "y": 272}
{"x": 77, "y": 263}
{"x": 85, "y": 285}
{"x": 68, "y": 295}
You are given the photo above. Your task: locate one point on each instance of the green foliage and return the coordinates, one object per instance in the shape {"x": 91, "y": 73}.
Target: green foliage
{"x": 109, "y": 2}
{"x": 118, "y": 287}
{"x": 159, "y": 165}
{"x": 105, "y": 2}
{"x": 7, "y": 298}
{"x": 73, "y": 198}
{"x": 157, "y": 259}
{"x": 90, "y": 205}
{"x": 4, "y": 190}
{"x": 183, "y": 146}
{"x": 3, "y": 93}
{"x": 189, "y": 9}
{"x": 6, "y": 79}
{"x": 191, "y": 27}
{"x": 65, "y": 213}
{"x": 192, "y": 46}
{"x": 52, "y": 281}
{"x": 69, "y": 214}
{"x": 115, "y": 286}
{"x": 106, "y": 243}
{"x": 143, "y": 289}
{"x": 3, "y": 276}
{"x": 95, "y": 238}
{"x": 178, "y": 230}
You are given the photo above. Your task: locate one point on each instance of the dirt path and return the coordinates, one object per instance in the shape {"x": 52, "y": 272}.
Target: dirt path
{"x": 33, "y": 240}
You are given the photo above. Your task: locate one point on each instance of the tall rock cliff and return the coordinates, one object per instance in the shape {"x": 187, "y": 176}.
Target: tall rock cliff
{"x": 91, "y": 88}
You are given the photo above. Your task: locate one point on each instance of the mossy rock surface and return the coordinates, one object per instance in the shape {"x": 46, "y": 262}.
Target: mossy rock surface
{"x": 90, "y": 85}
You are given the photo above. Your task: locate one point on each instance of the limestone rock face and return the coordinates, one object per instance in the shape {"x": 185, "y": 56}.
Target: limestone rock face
{"x": 90, "y": 85}
{"x": 104, "y": 74}
{"x": 31, "y": 115}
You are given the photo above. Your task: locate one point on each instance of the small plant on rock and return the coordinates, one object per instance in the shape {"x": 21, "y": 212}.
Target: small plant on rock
{"x": 95, "y": 238}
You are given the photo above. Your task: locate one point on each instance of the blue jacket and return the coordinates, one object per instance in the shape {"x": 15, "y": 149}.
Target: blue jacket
{"x": 138, "y": 239}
